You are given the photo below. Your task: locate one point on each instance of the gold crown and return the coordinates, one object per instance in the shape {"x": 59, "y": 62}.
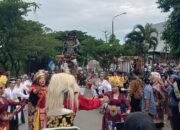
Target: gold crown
{"x": 39, "y": 74}
{"x": 115, "y": 81}
{"x": 3, "y": 79}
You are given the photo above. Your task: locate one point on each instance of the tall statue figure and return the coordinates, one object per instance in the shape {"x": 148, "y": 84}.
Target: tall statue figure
{"x": 71, "y": 44}
{"x": 68, "y": 59}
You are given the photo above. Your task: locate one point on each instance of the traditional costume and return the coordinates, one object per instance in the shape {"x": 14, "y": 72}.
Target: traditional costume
{"x": 64, "y": 100}
{"x": 5, "y": 116}
{"x": 117, "y": 108}
{"x": 36, "y": 104}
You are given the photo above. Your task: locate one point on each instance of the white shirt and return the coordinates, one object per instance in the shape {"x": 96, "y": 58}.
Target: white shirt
{"x": 27, "y": 83}
{"x": 105, "y": 86}
{"x": 19, "y": 91}
{"x": 10, "y": 93}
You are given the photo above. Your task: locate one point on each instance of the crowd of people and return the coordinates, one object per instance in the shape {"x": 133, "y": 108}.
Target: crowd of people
{"x": 52, "y": 99}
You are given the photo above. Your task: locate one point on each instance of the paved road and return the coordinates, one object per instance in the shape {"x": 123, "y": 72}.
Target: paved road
{"x": 86, "y": 120}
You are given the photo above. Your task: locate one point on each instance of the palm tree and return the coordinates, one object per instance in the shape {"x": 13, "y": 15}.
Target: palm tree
{"x": 144, "y": 38}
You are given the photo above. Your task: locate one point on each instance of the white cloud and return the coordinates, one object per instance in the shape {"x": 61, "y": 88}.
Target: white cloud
{"x": 93, "y": 16}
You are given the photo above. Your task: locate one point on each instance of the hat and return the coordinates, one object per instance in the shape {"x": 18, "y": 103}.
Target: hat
{"x": 39, "y": 74}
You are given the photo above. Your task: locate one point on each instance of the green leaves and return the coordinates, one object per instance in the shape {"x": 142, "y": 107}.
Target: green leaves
{"x": 22, "y": 38}
{"x": 140, "y": 36}
{"x": 172, "y": 28}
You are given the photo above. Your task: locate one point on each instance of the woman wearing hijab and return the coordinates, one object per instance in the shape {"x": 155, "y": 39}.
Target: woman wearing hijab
{"x": 173, "y": 102}
{"x": 159, "y": 96}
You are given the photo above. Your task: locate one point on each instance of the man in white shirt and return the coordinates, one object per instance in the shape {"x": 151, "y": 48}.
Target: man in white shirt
{"x": 105, "y": 86}
{"x": 11, "y": 93}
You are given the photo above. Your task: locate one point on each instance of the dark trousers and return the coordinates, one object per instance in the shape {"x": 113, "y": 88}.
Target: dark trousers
{"x": 13, "y": 125}
{"x": 22, "y": 113}
{"x": 135, "y": 105}
{"x": 175, "y": 118}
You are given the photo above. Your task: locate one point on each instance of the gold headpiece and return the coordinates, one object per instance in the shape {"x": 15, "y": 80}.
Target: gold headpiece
{"x": 39, "y": 74}
{"x": 115, "y": 81}
{"x": 3, "y": 79}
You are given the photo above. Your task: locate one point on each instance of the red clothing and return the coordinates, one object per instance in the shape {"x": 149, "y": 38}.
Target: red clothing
{"x": 41, "y": 95}
{"x": 85, "y": 103}
{"x": 4, "y": 123}
{"x": 88, "y": 103}
{"x": 117, "y": 102}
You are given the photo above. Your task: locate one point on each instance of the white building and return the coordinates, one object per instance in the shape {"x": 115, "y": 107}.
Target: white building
{"x": 162, "y": 49}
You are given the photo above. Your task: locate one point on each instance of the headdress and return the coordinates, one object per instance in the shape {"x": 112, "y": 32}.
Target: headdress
{"x": 115, "y": 81}
{"x": 3, "y": 79}
{"x": 60, "y": 84}
{"x": 39, "y": 74}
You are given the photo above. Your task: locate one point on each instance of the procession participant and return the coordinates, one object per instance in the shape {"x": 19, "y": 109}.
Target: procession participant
{"x": 81, "y": 80}
{"x": 37, "y": 99}
{"x": 19, "y": 92}
{"x": 11, "y": 94}
{"x": 174, "y": 101}
{"x": 135, "y": 91}
{"x": 5, "y": 116}
{"x": 117, "y": 109}
{"x": 27, "y": 81}
{"x": 159, "y": 97}
{"x": 63, "y": 100}
{"x": 105, "y": 86}
{"x": 147, "y": 101}
{"x": 96, "y": 85}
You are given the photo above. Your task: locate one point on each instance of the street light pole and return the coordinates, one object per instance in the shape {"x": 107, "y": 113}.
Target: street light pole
{"x": 113, "y": 21}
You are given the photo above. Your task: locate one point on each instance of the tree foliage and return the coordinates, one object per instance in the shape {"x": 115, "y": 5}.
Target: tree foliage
{"x": 21, "y": 38}
{"x": 143, "y": 38}
{"x": 172, "y": 28}
{"x": 26, "y": 45}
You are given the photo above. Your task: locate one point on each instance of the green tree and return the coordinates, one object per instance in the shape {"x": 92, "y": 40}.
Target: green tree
{"x": 144, "y": 38}
{"x": 172, "y": 28}
{"x": 21, "y": 38}
{"x": 11, "y": 24}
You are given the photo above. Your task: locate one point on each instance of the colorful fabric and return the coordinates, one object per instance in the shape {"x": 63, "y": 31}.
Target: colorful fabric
{"x": 4, "y": 125}
{"x": 120, "y": 102}
{"x": 116, "y": 81}
{"x": 135, "y": 89}
{"x": 60, "y": 120}
{"x": 36, "y": 109}
{"x": 160, "y": 106}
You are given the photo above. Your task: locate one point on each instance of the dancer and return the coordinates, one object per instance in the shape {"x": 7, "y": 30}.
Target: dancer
{"x": 5, "y": 116}
{"x": 37, "y": 99}
{"x": 63, "y": 100}
{"x": 117, "y": 109}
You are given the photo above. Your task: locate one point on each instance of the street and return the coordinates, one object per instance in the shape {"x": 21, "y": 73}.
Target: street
{"x": 86, "y": 120}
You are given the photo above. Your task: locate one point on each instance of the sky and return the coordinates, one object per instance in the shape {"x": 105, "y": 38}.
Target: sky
{"x": 95, "y": 16}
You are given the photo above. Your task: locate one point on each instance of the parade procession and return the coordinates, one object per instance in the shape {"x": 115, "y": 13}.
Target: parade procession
{"x": 58, "y": 72}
